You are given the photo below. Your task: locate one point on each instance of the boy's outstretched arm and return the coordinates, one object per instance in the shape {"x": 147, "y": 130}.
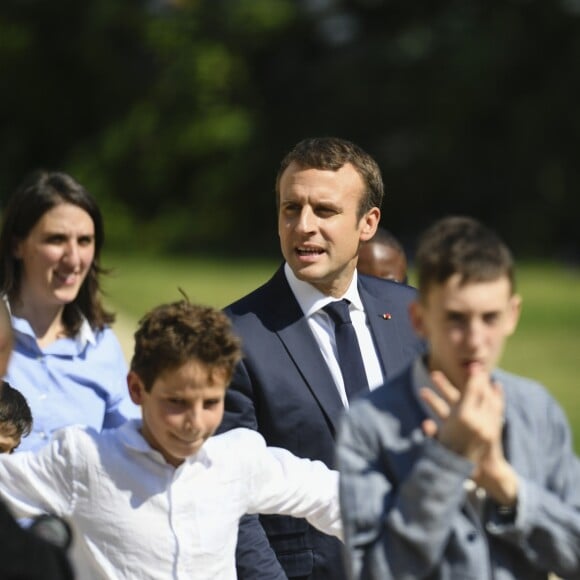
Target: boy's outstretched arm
{"x": 255, "y": 558}
{"x": 33, "y": 483}
{"x": 281, "y": 483}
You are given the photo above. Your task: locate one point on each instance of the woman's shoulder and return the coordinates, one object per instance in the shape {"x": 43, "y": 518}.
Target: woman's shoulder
{"x": 103, "y": 338}
{"x": 101, "y": 349}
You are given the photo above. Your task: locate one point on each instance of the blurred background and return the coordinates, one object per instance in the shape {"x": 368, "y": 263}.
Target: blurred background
{"x": 176, "y": 113}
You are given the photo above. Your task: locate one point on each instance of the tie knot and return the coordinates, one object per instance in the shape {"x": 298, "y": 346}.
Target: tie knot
{"x": 338, "y": 311}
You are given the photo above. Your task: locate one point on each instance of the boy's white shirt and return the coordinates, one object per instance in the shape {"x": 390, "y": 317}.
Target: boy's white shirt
{"x": 135, "y": 516}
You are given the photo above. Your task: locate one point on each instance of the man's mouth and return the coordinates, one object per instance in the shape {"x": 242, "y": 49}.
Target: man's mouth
{"x": 302, "y": 251}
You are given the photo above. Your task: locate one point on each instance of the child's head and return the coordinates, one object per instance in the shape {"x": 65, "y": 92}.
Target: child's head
{"x": 467, "y": 306}
{"x": 183, "y": 362}
{"x": 383, "y": 256}
{"x": 15, "y": 418}
{"x": 461, "y": 246}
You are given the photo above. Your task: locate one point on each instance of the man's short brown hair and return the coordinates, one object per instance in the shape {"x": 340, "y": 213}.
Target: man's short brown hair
{"x": 332, "y": 153}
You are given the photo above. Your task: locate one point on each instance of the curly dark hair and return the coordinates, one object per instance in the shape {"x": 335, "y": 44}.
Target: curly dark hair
{"x": 39, "y": 193}
{"x": 173, "y": 334}
{"x": 15, "y": 414}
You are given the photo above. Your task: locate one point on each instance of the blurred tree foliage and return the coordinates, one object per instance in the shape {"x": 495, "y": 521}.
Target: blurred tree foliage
{"x": 175, "y": 114}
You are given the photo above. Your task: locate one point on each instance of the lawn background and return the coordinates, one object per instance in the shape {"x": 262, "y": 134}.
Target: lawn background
{"x": 546, "y": 345}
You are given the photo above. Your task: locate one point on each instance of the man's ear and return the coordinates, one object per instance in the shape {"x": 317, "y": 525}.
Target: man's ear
{"x": 370, "y": 224}
{"x": 416, "y": 317}
{"x": 136, "y": 387}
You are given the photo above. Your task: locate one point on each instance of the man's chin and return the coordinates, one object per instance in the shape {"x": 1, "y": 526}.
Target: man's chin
{"x": 306, "y": 272}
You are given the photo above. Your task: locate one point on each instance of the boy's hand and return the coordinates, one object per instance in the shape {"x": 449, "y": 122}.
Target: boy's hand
{"x": 470, "y": 421}
{"x": 471, "y": 424}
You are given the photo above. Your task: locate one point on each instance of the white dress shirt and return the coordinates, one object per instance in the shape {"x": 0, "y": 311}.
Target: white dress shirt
{"x": 135, "y": 516}
{"x": 312, "y": 301}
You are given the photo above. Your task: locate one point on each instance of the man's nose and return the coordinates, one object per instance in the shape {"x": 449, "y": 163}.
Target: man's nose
{"x": 306, "y": 220}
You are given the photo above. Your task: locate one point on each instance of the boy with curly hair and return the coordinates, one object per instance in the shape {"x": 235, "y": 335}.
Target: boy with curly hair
{"x": 160, "y": 497}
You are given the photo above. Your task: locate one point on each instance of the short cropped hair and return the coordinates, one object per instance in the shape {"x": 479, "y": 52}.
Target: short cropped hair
{"x": 173, "y": 334}
{"x": 464, "y": 246}
{"x": 384, "y": 237}
{"x": 15, "y": 414}
{"x": 332, "y": 153}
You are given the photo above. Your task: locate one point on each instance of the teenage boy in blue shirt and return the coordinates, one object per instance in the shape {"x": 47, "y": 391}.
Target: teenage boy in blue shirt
{"x": 456, "y": 469}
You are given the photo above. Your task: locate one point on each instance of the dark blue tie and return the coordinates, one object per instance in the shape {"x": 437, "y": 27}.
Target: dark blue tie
{"x": 348, "y": 349}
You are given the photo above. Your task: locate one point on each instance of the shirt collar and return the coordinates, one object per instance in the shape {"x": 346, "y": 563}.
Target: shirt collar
{"x": 84, "y": 336}
{"x": 311, "y": 300}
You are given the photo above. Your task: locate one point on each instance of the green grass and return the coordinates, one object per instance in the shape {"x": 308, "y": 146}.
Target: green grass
{"x": 138, "y": 283}
{"x": 546, "y": 345}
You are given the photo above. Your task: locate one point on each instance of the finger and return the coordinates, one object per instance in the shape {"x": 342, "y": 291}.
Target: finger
{"x": 478, "y": 390}
{"x": 429, "y": 428}
{"x": 437, "y": 404}
{"x": 448, "y": 391}
{"x": 488, "y": 394}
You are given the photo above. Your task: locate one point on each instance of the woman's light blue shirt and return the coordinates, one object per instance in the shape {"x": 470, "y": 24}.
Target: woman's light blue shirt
{"x": 79, "y": 380}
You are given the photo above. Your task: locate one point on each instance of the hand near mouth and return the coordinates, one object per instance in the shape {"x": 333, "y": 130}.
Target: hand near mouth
{"x": 470, "y": 423}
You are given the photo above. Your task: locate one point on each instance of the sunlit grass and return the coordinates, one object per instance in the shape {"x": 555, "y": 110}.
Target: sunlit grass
{"x": 137, "y": 283}
{"x": 546, "y": 345}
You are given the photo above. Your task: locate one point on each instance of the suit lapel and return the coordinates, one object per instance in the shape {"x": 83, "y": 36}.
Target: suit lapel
{"x": 383, "y": 329}
{"x": 293, "y": 330}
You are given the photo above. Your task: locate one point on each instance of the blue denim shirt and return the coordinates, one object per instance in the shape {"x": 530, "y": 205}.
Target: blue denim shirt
{"x": 407, "y": 513}
{"x": 73, "y": 380}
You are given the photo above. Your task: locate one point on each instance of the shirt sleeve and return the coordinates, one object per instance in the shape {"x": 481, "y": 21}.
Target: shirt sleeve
{"x": 395, "y": 530}
{"x": 546, "y": 524}
{"x": 32, "y": 483}
{"x": 281, "y": 483}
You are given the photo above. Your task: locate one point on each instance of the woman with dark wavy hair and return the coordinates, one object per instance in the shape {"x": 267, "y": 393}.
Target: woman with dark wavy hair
{"x": 66, "y": 360}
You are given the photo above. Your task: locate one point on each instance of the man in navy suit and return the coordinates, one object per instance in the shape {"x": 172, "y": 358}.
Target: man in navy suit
{"x": 290, "y": 385}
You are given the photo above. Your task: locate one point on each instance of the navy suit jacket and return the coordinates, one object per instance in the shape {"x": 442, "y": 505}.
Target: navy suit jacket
{"x": 283, "y": 389}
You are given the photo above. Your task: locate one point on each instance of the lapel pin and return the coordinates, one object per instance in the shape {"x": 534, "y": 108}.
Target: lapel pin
{"x": 387, "y": 316}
